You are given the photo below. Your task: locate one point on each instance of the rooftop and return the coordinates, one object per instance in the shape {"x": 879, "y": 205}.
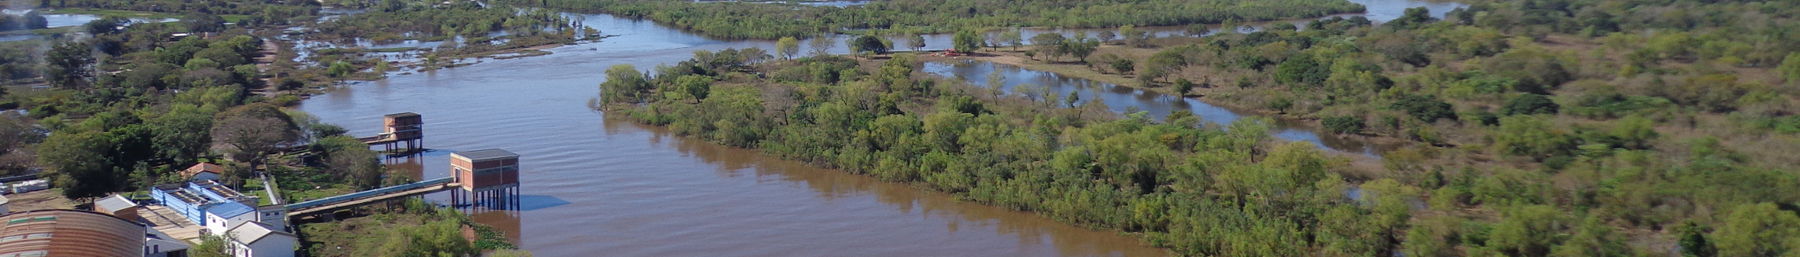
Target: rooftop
{"x": 250, "y": 232}
{"x": 486, "y": 154}
{"x": 217, "y": 188}
{"x": 202, "y": 167}
{"x": 163, "y": 245}
{"x": 403, "y": 114}
{"x": 182, "y": 194}
{"x": 58, "y": 232}
{"x": 230, "y": 209}
{"x": 114, "y": 203}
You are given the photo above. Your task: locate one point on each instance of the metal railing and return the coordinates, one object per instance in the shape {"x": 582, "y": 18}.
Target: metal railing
{"x": 368, "y": 193}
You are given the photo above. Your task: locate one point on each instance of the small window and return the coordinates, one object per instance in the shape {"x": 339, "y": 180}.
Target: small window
{"x": 30, "y": 219}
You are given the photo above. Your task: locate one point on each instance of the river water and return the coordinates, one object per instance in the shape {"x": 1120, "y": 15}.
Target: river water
{"x": 594, "y": 186}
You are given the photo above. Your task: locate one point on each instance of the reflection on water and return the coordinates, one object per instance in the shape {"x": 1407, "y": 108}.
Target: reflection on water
{"x": 1122, "y": 99}
{"x": 638, "y": 191}
{"x": 615, "y": 188}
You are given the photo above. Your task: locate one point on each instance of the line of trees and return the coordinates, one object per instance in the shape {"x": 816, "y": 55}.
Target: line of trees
{"x": 740, "y": 20}
{"x": 27, "y": 21}
{"x": 157, "y": 105}
{"x": 1538, "y": 128}
{"x": 1587, "y": 127}
{"x": 1183, "y": 185}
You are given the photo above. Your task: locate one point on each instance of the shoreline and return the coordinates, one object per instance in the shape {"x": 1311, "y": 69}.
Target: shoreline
{"x": 1361, "y": 161}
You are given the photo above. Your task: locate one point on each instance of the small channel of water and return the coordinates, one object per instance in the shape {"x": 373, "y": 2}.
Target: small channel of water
{"x": 595, "y": 186}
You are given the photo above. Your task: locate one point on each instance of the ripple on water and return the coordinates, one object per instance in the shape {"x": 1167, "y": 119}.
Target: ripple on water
{"x": 633, "y": 190}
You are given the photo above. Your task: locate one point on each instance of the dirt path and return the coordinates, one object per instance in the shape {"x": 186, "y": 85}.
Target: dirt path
{"x": 269, "y": 52}
{"x": 38, "y": 200}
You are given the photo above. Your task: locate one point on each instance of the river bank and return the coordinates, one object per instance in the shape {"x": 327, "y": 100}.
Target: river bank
{"x": 619, "y": 178}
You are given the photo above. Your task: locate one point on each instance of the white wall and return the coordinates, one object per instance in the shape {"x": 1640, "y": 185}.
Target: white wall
{"x": 274, "y": 245}
{"x": 218, "y": 225}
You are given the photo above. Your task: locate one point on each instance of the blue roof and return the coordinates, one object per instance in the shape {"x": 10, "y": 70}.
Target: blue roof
{"x": 229, "y": 209}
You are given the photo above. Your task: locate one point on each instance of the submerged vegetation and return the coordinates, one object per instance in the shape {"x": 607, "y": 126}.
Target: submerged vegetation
{"x": 1538, "y": 128}
{"x": 462, "y": 29}
{"x": 1200, "y": 190}
{"x": 739, "y": 20}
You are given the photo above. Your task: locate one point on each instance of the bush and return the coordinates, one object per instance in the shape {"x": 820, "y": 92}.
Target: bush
{"x": 337, "y": 70}
{"x": 1343, "y": 124}
{"x": 285, "y": 100}
{"x": 1614, "y": 105}
{"x": 1123, "y": 65}
{"x": 1425, "y": 107}
{"x": 1182, "y": 86}
{"x": 1529, "y": 104}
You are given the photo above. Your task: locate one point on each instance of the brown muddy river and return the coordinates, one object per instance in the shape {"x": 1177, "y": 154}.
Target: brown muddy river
{"x": 594, "y": 186}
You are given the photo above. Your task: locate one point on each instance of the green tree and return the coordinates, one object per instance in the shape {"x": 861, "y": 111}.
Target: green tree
{"x": 1302, "y": 70}
{"x": 966, "y": 41}
{"x": 1198, "y": 30}
{"x": 821, "y": 45}
{"x": 1048, "y": 44}
{"x": 34, "y": 20}
{"x": 1413, "y": 18}
{"x": 867, "y": 44}
{"x": 916, "y": 41}
{"x": 624, "y": 85}
{"x": 1012, "y": 38}
{"x": 1592, "y": 238}
{"x": 1182, "y": 86}
{"x": 1528, "y": 104}
{"x": 1080, "y": 47}
{"x": 435, "y": 238}
{"x": 77, "y": 164}
{"x": 69, "y": 65}
{"x": 1163, "y": 63}
{"x": 106, "y": 25}
{"x": 1693, "y": 240}
{"x": 1532, "y": 136}
{"x": 182, "y": 133}
{"x": 210, "y": 246}
{"x": 788, "y": 46}
{"x": 1342, "y": 124}
{"x": 1122, "y": 65}
{"x": 1528, "y": 230}
{"x": 354, "y": 161}
{"x": 1425, "y": 107}
{"x": 1635, "y": 132}
{"x": 1134, "y": 37}
{"x": 204, "y": 22}
{"x": 1760, "y": 229}
{"x": 1790, "y": 68}
{"x": 249, "y": 132}
{"x": 338, "y": 69}
{"x": 694, "y": 87}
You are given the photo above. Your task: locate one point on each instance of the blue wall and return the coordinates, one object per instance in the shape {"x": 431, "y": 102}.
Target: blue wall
{"x": 193, "y": 212}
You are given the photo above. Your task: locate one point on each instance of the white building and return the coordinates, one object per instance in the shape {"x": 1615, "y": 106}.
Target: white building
{"x": 255, "y": 239}
{"x": 222, "y": 217}
{"x": 157, "y": 244}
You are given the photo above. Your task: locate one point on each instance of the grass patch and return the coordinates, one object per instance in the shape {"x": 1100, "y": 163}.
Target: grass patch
{"x": 415, "y": 228}
{"x": 234, "y": 18}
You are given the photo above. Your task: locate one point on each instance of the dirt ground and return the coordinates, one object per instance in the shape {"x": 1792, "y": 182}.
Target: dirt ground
{"x": 40, "y": 200}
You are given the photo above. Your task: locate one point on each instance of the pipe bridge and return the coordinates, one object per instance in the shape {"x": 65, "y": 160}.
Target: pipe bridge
{"x": 325, "y": 205}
